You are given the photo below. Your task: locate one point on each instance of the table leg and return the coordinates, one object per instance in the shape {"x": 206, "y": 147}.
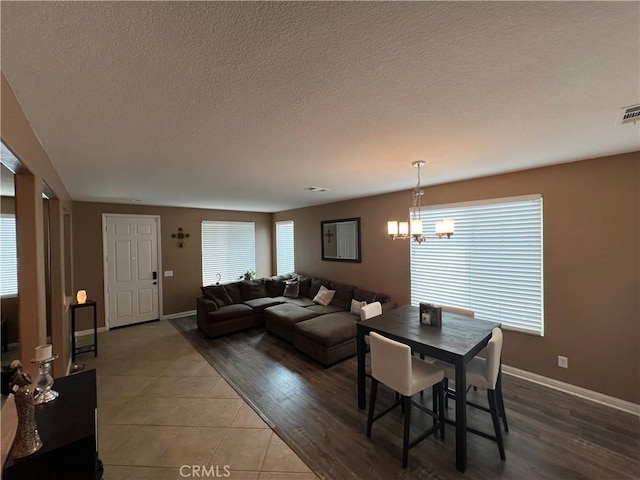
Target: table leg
{"x": 95, "y": 331}
{"x": 73, "y": 335}
{"x": 361, "y": 347}
{"x": 461, "y": 416}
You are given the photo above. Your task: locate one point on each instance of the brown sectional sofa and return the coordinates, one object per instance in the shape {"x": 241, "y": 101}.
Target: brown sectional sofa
{"x": 324, "y": 332}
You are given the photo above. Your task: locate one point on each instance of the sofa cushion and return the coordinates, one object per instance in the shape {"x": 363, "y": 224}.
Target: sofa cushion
{"x": 252, "y": 289}
{"x": 328, "y": 330}
{"x": 259, "y": 304}
{"x": 300, "y": 301}
{"x": 218, "y": 294}
{"x": 324, "y": 296}
{"x": 356, "y": 306}
{"x": 233, "y": 289}
{"x": 229, "y": 312}
{"x": 382, "y": 297}
{"x": 324, "y": 309}
{"x": 364, "y": 295}
{"x": 280, "y": 319}
{"x": 275, "y": 285}
{"x": 291, "y": 289}
{"x": 316, "y": 283}
{"x": 305, "y": 286}
{"x": 343, "y": 296}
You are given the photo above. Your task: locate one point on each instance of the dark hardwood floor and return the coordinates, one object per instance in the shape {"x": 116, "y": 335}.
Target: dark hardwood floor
{"x": 552, "y": 435}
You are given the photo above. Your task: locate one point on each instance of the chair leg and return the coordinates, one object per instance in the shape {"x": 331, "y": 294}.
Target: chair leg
{"x": 372, "y": 405}
{"x": 491, "y": 394}
{"x": 446, "y": 392}
{"x": 441, "y": 400}
{"x": 501, "y": 409}
{"x": 436, "y": 401}
{"x": 406, "y": 401}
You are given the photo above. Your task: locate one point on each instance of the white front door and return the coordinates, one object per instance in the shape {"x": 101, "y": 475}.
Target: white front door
{"x": 131, "y": 247}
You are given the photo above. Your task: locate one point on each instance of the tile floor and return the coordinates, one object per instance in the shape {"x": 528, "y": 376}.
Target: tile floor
{"x": 165, "y": 413}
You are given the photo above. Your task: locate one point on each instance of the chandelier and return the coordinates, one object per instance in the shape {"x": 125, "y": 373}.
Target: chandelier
{"x": 413, "y": 228}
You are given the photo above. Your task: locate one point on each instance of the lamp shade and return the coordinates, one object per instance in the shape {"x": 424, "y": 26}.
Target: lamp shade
{"x": 81, "y": 296}
{"x": 403, "y": 228}
{"x": 445, "y": 227}
{"x": 416, "y": 227}
{"x": 392, "y": 228}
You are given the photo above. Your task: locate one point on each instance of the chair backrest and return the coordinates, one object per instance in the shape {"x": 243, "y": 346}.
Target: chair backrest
{"x": 391, "y": 363}
{"x": 459, "y": 311}
{"x": 370, "y": 310}
{"x": 494, "y": 351}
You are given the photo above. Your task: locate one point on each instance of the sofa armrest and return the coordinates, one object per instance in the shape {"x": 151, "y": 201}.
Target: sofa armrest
{"x": 204, "y": 306}
{"x": 390, "y": 305}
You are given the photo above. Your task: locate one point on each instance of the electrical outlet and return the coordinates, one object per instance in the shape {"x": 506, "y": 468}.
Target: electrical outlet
{"x": 563, "y": 362}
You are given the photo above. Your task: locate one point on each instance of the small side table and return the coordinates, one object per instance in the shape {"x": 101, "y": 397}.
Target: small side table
{"x": 85, "y": 348}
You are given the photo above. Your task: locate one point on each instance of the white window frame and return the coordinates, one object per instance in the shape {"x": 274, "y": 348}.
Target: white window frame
{"x": 228, "y": 249}
{"x": 493, "y": 263}
{"x": 8, "y": 256}
{"x": 285, "y": 247}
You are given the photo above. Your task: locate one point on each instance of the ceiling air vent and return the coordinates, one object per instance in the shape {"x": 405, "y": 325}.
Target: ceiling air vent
{"x": 317, "y": 189}
{"x": 630, "y": 114}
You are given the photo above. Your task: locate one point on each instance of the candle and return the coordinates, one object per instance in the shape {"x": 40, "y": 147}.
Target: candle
{"x": 43, "y": 352}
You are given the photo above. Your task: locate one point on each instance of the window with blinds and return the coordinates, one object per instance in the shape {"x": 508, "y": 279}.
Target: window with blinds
{"x": 493, "y": 264}
{"x": 228, "y": 249}
{"x": 8, "y": 256}
{"x": 285, "y": 253}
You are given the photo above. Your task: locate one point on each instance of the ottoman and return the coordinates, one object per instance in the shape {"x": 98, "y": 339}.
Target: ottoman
{"x": 280, "y": 319}
{"x": 328, "y": 338}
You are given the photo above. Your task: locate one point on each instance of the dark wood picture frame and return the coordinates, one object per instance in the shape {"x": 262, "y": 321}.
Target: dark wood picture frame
{"x": 340, "y": 240}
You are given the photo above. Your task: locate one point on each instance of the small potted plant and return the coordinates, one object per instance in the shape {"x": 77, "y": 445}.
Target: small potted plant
{"x": 248, "y": 275}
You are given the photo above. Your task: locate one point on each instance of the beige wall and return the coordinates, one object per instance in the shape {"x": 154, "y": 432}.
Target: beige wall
{"x": 591, "y": 264}
{"x": 178, "y": 292}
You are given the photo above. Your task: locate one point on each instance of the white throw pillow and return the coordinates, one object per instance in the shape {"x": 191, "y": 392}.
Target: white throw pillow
{"x": 324, "y": 296}
{"x": 356, "y": 306}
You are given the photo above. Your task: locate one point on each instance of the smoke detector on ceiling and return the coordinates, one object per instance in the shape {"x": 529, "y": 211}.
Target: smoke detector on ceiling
{"x": 630, "y": 114}
{"x": 317, "y": 189}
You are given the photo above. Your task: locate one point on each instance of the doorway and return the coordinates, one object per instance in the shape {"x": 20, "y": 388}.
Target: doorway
{"x": 131, "y": 266}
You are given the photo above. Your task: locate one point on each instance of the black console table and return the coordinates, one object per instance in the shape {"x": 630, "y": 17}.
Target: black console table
{"x": 67, "y": 428}
{"x": 85, "y": 348}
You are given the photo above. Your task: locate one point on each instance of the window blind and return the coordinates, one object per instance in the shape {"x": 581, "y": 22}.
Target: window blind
{"x": 285, "y": 253}
{"x": 8, "y": 256}
{"x": 493, "y": 264}
{"x": 228, "y": 249}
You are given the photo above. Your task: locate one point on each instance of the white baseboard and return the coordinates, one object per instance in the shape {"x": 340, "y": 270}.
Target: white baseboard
{"x": 597, "y": 397}
{"x": 178, "y": 315}
{"x": 82, "y": 333}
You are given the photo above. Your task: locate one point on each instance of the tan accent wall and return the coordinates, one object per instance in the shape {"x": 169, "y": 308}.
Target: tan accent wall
{"x": 591, "y": 264}
{"x": 179, "y": 291}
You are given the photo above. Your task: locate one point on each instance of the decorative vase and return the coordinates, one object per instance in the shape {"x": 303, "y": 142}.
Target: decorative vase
{"x": 27, "y": 440}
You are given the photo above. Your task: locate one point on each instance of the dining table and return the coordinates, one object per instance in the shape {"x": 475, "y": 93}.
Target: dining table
{"x": 456, "y": 341}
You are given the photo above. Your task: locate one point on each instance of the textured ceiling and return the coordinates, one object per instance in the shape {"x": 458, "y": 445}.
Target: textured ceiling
{"x": 241, "y": 105}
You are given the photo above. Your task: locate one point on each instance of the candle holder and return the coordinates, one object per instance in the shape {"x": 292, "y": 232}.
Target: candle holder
{"x": 44, "y": 393}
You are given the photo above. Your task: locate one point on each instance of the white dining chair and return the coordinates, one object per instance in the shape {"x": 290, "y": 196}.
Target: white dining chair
{"x": 485, "y": 373}
{"x": 393, "y": 365}
{"x": 459, "y": 311}
{"x": 370, "y": 310}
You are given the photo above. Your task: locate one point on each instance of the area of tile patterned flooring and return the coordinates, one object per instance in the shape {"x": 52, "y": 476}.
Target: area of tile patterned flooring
{"x": 161, "y": 407}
